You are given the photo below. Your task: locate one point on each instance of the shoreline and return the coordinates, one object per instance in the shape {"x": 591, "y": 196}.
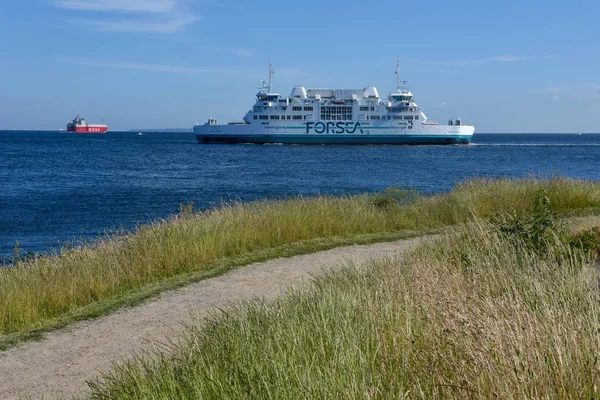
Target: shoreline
{"x": 46, "y": 293}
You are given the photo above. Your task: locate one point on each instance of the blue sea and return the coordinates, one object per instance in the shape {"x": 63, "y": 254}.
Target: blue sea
{"x": 58, "y": 187}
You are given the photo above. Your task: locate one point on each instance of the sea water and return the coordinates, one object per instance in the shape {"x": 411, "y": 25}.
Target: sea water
{"x": 58, "y": 187}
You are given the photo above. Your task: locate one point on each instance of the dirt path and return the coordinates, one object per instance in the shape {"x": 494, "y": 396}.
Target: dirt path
{"x": 62, "y": 362}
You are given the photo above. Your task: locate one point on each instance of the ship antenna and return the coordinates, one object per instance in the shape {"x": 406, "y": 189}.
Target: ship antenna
{"x": 398, "y": 81}
{"x": 398, "y": 77}
{"x": 270, "y": 75}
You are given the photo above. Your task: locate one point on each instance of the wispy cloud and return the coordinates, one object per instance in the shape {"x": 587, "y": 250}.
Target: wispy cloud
{"x": 242, "y": 52}
{"x": 479, "y": 61}
{"x": 168, "y": 25}
{"x": 152, "y": 67}
{"x": 589, "y": 91}
{"x": 506, "y": 59}
{"x": 152, "y": 6}
{"x": 227, "y": 50}
{"x": 158, "y": 16}
{"x": 438, "y": 106}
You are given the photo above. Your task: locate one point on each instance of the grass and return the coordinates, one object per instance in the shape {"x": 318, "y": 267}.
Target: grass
{"x": 77, "y": 283}
{"x": 479, "y": 314}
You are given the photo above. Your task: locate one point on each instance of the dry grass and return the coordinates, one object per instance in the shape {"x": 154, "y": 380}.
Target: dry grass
{"x": 47, "y": 291}
{"x": 475, "y": 315}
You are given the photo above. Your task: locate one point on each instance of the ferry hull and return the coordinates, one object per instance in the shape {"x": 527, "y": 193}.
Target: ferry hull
{"x": 333, "y": 139}
{"x": 88, "y": 129}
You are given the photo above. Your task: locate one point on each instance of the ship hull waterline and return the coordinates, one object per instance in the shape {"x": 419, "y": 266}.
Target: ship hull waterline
{"x": 225, "y": 138}
{"x": 93, "y": 131}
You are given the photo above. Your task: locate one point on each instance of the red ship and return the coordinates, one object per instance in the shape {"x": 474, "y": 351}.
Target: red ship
{"x": 80, "y": 126}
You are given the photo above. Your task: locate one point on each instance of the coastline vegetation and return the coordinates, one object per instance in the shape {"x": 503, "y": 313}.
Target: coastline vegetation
{"x": 507, "y": 308}
{"x": 45, "y": 292}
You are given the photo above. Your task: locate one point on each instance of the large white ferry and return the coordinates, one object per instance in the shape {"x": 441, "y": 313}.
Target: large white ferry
{"x": 335, "y": 116}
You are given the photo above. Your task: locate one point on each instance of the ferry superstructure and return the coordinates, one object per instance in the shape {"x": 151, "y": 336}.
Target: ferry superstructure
{"x": 335, "y": 116}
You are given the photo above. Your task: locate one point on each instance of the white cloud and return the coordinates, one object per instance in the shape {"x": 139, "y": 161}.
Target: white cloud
{"x": 227, "y": 50}
{"x": 507, "y": 58}
{"x": 242, "y": 52}
{"x": 158, "y": 16}
{"x": 168, "y": 25}
{"x": 136, "y": 6}
{"x": 152, "y": 67}
{"x": 588, "y": 91}
{"x": 480, "y": 61}
{"x": 438, "y": 106}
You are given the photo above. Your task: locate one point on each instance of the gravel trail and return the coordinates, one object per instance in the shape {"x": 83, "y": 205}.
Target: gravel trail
{"x": 60, "y": 364}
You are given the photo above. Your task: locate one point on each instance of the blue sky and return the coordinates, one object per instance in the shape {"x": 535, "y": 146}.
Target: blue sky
{"x": 509, "y": 66}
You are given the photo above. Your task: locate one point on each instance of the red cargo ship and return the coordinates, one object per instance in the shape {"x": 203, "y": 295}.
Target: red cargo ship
{"x": 80, "y": 126}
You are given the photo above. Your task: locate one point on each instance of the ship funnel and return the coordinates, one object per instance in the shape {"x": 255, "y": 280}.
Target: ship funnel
{"x": 370, "y": 92}
{"x": 298, "y": 92}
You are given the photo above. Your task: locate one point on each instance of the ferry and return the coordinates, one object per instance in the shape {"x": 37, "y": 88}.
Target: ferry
{"x": 79, "y": 125}
{"x": 335, "y": 116}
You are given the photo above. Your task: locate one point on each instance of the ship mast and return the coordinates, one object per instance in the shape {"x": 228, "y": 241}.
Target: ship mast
{"x": 270, "y": 76}
{"x": 398, "y": 81}
{"x": 398, "y": 77}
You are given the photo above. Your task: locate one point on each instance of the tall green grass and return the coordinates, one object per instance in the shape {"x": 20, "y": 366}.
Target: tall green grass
{"x": 46, "y": 291}
{"x": 479, "y": 314}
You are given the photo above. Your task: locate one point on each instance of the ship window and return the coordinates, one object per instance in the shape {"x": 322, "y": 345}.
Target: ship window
{"x": 416, "y": 117}
{"x": 408, "y": 117}
{"x": 389, "y": 117}
{"x": 375, "y": 117}
{"x": 397, "y": 109}
{"x": 410, "y": 127}
{"x": 364, "y": 109}
{"x": 308, "y": 108}
{"x": 274, "y": 117}
{"x": 297, "y": 117}
{"x": 336, "y": 113}
{"x": 255, "y": 117}
{"x": 289, "y": 117}
{"x": 296, "y": 108}
{"x": 372, "y": 108}
{"x": 263, "y": 117}
{"x": 397, "y": 116}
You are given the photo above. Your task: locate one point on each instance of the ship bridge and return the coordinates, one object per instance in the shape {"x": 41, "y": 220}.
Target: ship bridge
{"x": 403, "y": 96}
